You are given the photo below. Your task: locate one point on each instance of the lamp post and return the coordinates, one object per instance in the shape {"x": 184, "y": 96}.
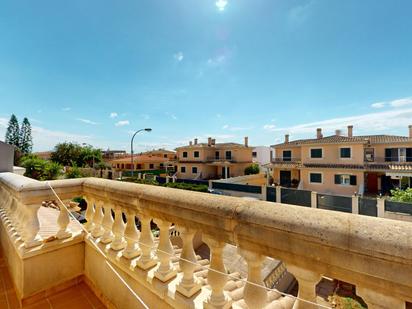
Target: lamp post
{"x": 131, "y": 145}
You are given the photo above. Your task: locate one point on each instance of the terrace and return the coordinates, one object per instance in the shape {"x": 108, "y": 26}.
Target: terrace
{"x": 45, "y": 251}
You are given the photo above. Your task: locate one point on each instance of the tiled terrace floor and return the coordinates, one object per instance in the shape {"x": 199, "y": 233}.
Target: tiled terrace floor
{"x": 79, "y": 296}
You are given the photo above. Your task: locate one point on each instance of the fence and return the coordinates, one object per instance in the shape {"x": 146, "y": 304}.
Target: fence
{"x": 333, "y": 202}
{"x": 271, "y": 194}
{"x": 399, "y": 207}
{"x": 368, "y": 206}
{"x": 237, "y": 187}
{"x": 296, "y": 197}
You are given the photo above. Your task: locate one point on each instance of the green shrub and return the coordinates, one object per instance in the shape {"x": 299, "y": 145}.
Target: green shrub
{"x": 253, "y": 169}
{"x": 74, "y": 172}
{"x": 187, "y": 186}
{"x": 40, "y": 169}
{"x": 399, "y": 195}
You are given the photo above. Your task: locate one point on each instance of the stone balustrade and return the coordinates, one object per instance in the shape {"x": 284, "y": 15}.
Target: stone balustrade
{"x": 374, "y": 254}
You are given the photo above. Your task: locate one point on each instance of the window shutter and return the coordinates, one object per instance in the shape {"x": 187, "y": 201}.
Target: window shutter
{"x": 337, "y": 179}
{"x": 408, "y": 154}
{"x": 388, "y": 154}
{"x": 353, "y": 180}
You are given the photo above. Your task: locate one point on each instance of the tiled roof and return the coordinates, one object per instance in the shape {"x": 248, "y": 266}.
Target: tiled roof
{"x": 139, "y": 158}
{"x": 339, "y": 139}
{"x": 217, "y": 145}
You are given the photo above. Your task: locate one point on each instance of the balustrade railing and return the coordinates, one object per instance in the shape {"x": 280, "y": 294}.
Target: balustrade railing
{"x": 371, "y": 253}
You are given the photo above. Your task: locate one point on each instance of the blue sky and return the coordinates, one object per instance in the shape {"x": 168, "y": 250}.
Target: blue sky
{"x": 93, "y": 71}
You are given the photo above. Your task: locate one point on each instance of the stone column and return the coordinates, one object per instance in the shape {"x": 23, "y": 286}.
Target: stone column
{"x": 31, "y": 226}
{"x": 188, "y": 286}
{"x": 132, "y": 236}
{"x": 314, "y": 199}
{"x": 98, "y": 220}
{"x": 63, "y": 221}
{"x": 380, "y": 203}
{"x": 165, "y": 251}
{"x": 216, "y": 280}
{"x": 278, "y": 194}
{"x": 147, "y": 259}
{"x": 264, "y": 193}
{"x": 307, "y": 281}
{"x": 118, "y": 230}
{"x": 376, "y": 300}
{"x": 107, "y": 224}
{"x": 355, "y": 204}
{"x": 255, "y": 296}
{"x": 89, "y": 214}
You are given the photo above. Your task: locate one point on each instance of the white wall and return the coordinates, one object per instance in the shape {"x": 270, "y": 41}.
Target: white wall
{"x": 6, "y": 157}
{"x": 262, "y": 155}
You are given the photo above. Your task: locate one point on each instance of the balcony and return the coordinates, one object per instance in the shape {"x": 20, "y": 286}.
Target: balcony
{"x": 230, "y": 159}
{"x": 286, "y": 161}
{"x": 131, "y": 268}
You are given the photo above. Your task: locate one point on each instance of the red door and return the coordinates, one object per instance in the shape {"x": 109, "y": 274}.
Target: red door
{"x": 372, "y": 183}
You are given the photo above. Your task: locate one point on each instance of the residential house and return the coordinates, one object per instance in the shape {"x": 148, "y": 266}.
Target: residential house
{"x": 262, "y": 155}
{"x": 344, "y": 165}
{"x": 140, "y": 163}
{"x": 213, "y": 160}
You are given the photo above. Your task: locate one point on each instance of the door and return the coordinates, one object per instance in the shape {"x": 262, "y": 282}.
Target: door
{"x": 224, "y": 174}
{"x": 285, "y": 178}
{"x": 372, "y": 183}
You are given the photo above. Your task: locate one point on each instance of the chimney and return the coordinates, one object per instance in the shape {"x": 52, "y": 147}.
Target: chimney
{"x": 319, "y": 133}
{"x": 338, "y": 132}
{"x": 286, "y": 138}
{"x": 410, "y": 131}
{"x": 190, "y": 143}
{"x": 213, "y": 141}
{"x": 350, "y": 131}
{"x": 209, "y": 141}
{"x": 246, "y": 141}
{"x": 195, "y": 141}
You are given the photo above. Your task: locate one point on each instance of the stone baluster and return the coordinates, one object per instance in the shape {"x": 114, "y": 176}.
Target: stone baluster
{"x": 118, "y": 230}
{"x": 98, "y": 220}
{"x": 255, "y": 296}
{"x": 63, "y": 221}
{"x": 188, "y": 286}
{"x": 107, "y": 236}
{"x": 166, "y": 271}
{"x": 132, "y": 236}
{"x": 376, "y": 300}
{"x": 30, "y": 236}
{"x": 307, "y": 281}
{"x": 147, "y": 259}
{"x": 216, "y": 279}
{"x": 89, "y": 214}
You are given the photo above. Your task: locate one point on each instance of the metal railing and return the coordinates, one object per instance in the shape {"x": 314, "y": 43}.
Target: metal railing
{"x": 286, "y": 160}
{"x": 389, "y": 160}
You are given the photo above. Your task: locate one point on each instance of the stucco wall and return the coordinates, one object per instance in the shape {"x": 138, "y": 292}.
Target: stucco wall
{"x": 6, "y": 157}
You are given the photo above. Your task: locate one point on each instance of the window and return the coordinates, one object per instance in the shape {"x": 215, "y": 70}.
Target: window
{"x": 287, "y": 155}
{"x": 369, "y": 154}
{"x": 315, "y": 178}
{"x": 161, "y": 165}
{"x": 196, "y": 154}
{"x": 345, "y": 152}
{"x": 391, "y": 154}
{"x": 254, "y": 154}
{"x": 183, "y": 169}
{"x": 184, "y": 154}
{"x": 346, "y": 180}
{"x": 165, "y": 156}
{"x": 194, "y": 170}
{"x": 217, "y": 155}
{"x": 316, "y": 153}
{"x": 228, "y": 155}
{"x": 151, "y": 166}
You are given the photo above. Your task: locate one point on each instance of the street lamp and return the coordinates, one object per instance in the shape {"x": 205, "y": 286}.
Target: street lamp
{"x": 131, "y": 144}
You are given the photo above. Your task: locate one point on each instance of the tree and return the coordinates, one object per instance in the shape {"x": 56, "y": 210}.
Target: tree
{"x": 25, "y": 139}
{"x": 13, "y": 132}
{"x": 40, "y": 169}
{"x": 252, "y": 169}
{"x": 70, "y": 154}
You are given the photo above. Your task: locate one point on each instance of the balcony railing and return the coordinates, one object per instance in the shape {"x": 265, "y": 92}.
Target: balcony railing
{"x": 372, "y": 253}
{"x": 389, "y": 160}
{"x": 286, "y": 160}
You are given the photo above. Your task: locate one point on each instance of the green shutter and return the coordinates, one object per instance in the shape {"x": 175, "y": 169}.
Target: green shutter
{"x": 337, "y": 180}
{"x": 353, "y": 180}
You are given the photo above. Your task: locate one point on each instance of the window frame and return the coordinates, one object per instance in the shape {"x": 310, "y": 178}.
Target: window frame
{"x": 195, "y": 167}
{"x": 288, "y": 158}
{"x": 350, "y": 153}
{"x": 196, "y": 154}
{"x": 315, "y": 148}
{"x": 349, "y": 177}
{"x": 183, "y": 169}
{"x": 315, "y": 183}
{"x": 184, "y": 154}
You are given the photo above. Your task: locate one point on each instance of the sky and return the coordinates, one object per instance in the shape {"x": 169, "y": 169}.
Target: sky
{"x": 95, "y": 71}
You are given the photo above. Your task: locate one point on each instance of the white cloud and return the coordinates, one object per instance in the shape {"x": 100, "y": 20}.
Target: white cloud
{"x": 122, "y": 123}
{"x": 217, "y": 60}
{"x": 379, "y": 121}
{"x": 269, "y": 127}
{"x": 221, "y": 5}
{"x": 87, "y": 121}
{"x": 231, "y": 128}
{"x": 178, "y": 56}
{"x": 378, "y": 105}
{"x": 113, "y": 115}
{"x": 66, "y": 109}
{"x": 401, "y": 102}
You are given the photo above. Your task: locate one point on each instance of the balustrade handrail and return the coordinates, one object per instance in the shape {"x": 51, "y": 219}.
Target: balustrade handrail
{"x": 365, "y": 251}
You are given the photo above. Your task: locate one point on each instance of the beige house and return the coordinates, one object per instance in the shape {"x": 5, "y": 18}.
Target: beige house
{"x": 344, "y": 165}
{"x": 213, "y": 160}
